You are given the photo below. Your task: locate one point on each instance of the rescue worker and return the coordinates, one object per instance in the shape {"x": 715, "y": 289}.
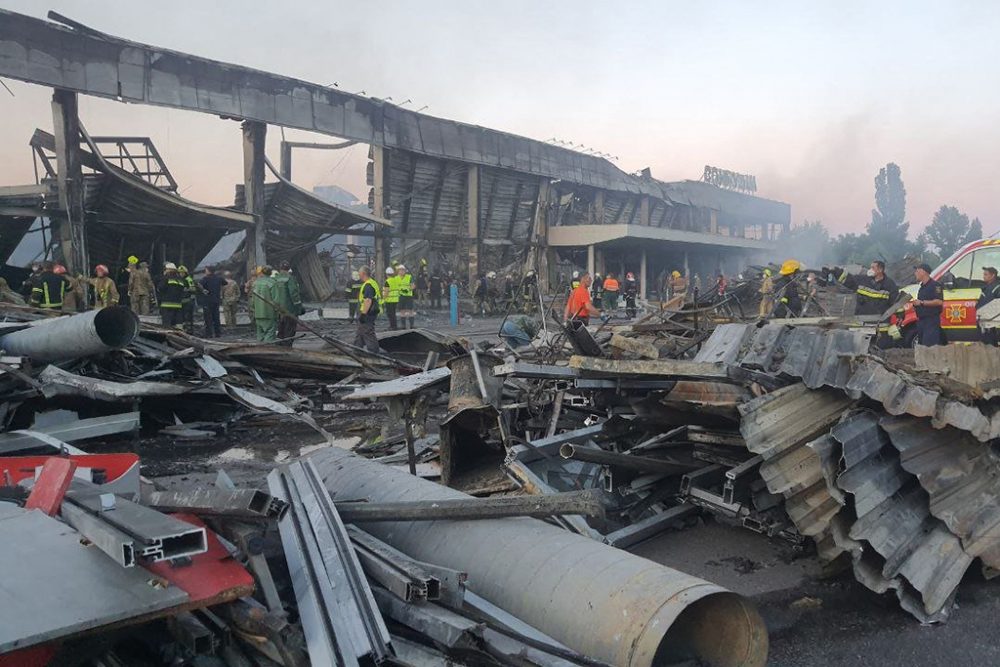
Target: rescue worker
{"x": 248, "y": 290}
{"x": 436, "y": 289}
{"x": 721, "y": 285}
{"x": 7, "y": 295}
{"x": 369, "y": 306}
{"x": 140, "y": 287}
{"x": 631, "y": 292}
{"x": 230, "y": 299}
{"x": 172, "y": 290}
{"x": 422, "y": 283}
{"x": 105, "y": 289}
{"x": 75, "y": 299}
{"x": 610, "y": 292}
{"x": 212, "y": 286}
{"x": 265, "y": 315}
{"x": 31, "y": 281}
{"x": 597, "y": 289}
{"x": 786, "y": 288}
{"x": 579, "y": 307}
{"x": 482, "y": 290}
{"x": 405, "y": 309}
{"x": 390, "y": 296}
{"x": 187, "y": 305}
{"x": 875, "y": 290}
{"x": 575, "y": 282}
{"x": 124, "y": 281}
{"x": 928, "y": 306}
{"x": 351, "y": 294}
{"x": 288, "y": 297}
{"x": 990, "y": 292}
{"x": 678, "y": 286}
{"x": 766, "y": 294}
{"x": 48, "y": 287}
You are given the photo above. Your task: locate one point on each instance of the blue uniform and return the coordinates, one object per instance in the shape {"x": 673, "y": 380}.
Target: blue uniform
{"x": 929, "y": 317}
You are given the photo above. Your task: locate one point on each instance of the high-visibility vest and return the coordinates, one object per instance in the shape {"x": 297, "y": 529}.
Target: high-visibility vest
{"x": 405, "y": 284}
{"x": 378, "y": 294}
{"x": 392, "y": 289}
{"x": 610, "y": 285}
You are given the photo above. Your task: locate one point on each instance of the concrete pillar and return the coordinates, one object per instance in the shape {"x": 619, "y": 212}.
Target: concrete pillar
{"x": 591, "y": 265}
{"x": 538, "y": 258}
{"x": 599, "y": 263}
{"x": 71, "y": 228}
{"x": 472, "y": 221}
{"x": 254, "y": 137}
{"x": 380, "y": 207}
{"x": 642, "y": 275}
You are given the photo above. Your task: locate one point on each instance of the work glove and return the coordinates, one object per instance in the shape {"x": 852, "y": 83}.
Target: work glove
{"x": 894, "y": 332}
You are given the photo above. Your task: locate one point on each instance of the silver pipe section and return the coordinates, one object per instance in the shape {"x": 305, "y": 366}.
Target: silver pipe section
{"x": 600, "y": 601}
{"x": 65, "y": 338}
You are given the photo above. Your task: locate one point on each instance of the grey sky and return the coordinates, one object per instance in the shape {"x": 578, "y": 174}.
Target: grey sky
{"x": 811, "y": 97}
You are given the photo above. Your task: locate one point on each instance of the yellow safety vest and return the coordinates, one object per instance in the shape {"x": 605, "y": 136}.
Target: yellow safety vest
{"x": 392, "y": 284}
{"x": 405, "y": 285}
{"x": 378, "y": 293}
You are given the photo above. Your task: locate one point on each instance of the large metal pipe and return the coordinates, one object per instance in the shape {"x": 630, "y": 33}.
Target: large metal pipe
{"x": 598, "y": 600}
{"x": 65, "y": 338}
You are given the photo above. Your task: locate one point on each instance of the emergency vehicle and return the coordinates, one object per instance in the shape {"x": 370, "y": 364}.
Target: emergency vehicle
{"x": 961, "y": 276}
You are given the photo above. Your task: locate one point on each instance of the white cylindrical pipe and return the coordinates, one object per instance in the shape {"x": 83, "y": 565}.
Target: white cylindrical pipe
{"x": 65, "y": 338}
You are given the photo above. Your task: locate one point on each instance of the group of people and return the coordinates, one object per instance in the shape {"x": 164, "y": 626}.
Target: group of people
{"x": 52, "y": 287}
{"x": 608, "y": 290}
{"x": 275, "y": 303}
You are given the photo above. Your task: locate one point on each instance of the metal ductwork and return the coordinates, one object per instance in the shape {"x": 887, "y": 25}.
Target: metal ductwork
{"x": 64, "y": 338}
{"x": 596, "y": 599}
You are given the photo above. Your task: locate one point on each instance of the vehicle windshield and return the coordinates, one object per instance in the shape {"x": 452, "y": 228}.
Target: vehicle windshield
{"x": 940, "y": 269}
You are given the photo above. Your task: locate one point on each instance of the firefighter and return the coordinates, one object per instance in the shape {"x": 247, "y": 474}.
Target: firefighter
{"x": 190, "y": 292}
{"x": 75, "y": 298}
{"x": 928, "y": 306}
{"x": 369, "y": 305}
{"x": 172, "y": 290}
{"x": 789, "y": 302}
{"x": 678, "y": 286}
{"x": 990, "y": 292}
{"x": 631, "y": 292}
{"x": 351, "y": 293}
{"x": 48, "y": 287}
{"x": 390, "y": 296}
{"x": 265, "y": 315}
{"x": 105, "y": 289}
{"x": 875, "y": 290}
{"x": 766, "y": 294}
{"x": 436, "y": 287}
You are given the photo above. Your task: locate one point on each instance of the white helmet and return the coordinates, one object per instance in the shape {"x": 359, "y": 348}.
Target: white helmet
{"x": 491, "y": 275}
{"x": 389, "y": 271}
{"x": 576, "y": 274}
{"x": 170, "y": 265}
{"x": 355, "y": 275}
{"x": 401, "y": 267}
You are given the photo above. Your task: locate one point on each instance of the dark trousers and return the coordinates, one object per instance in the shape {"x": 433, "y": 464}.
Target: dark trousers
{"x": 287, "y": 326}
{"x": 171, "y": 317}
{"x": 352, "y": 310}
{"x": 929, "y": 331}
{"x": 390, "y": 312}
{"x": 187, "y": 315}
{"x": 436, "y": 300}
{"x": 630, "y": 309}
{"x": 213, "y": 325}
{"x": 365, "y": 336}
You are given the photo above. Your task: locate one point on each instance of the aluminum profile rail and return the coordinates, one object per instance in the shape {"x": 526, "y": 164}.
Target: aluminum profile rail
{"x": 243, "y": 503}
{"x": 398, "y": 573}
{"x": 597, "y": 600}
{"x": 155, "y": 536}
{"x": 341, "y": 621}
{"x": 115, "y": 543}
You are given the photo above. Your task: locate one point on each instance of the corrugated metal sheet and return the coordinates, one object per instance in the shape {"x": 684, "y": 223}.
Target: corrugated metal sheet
{"x": 870, "y": 466}
{"x": 789, "y": 429}
{"x": 975, "y": 364}
{"x": 961, "y": 476}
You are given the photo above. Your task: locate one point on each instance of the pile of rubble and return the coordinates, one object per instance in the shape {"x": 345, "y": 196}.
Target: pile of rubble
{"x": 571, "y": 448}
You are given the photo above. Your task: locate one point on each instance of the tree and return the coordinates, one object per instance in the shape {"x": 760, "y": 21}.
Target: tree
{"x": 809, "y": 243}
{"x": 852, "y": 249}
{"x": 888, "y": 229}
{"x": 950, "y": 229}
